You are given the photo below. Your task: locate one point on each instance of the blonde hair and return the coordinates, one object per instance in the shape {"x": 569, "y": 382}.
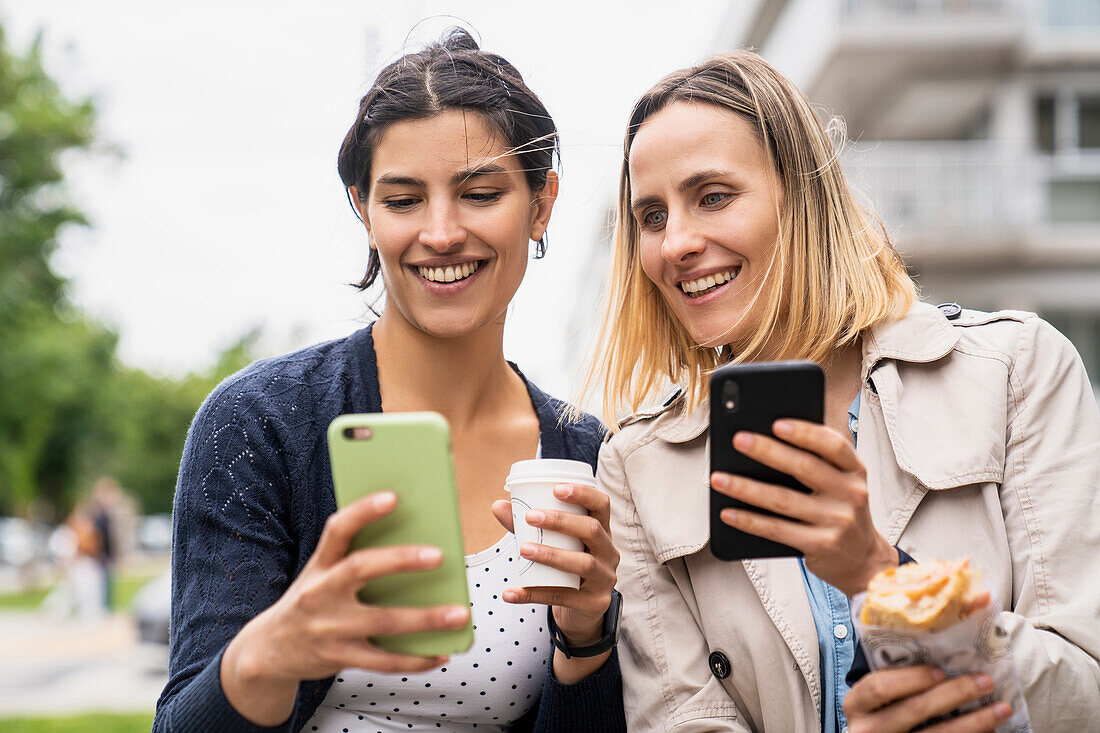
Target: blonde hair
{"x": 829, "y": 252}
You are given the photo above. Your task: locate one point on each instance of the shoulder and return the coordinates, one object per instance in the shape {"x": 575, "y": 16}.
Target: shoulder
{"x": 571, "y": 433}
{"x": 1020, "y": 337}
{"x": 285, "y": 382}
{"x": 667, "y": 418}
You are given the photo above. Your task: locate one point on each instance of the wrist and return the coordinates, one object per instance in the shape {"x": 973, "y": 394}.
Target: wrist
{"x": 250, "y": 687}
{"x": 885, "y": 556}
{"x": 608, "y": 634}
{"x": 585, "y": 637}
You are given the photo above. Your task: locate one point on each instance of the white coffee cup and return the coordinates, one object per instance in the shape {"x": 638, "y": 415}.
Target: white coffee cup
{"x": 531, "y": 484}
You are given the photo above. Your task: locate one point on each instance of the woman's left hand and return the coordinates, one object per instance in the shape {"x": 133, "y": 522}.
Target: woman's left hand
{"x": 578, "y": 612}
{"x": 832, "y": 525}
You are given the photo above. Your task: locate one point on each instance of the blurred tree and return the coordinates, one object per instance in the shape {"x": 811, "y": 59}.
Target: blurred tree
{"x": 50, "y": 360}
{"x": 149, "y": 417}
{"x": 69, "y": 412}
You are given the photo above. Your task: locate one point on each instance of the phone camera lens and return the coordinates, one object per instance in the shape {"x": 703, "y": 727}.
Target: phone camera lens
{"x": 731, "y": 396}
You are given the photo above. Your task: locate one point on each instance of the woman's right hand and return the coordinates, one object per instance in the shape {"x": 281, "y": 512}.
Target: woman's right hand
{"x": 319, "y": 626}
{"x": 894, "y": 700}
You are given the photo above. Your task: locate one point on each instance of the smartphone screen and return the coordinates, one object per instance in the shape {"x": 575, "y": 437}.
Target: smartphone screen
{"x": 751, "y": 397}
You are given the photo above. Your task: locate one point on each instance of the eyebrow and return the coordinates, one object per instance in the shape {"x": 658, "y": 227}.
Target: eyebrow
{"x": 487, "y": 169}
{"x": 685, "y": 185}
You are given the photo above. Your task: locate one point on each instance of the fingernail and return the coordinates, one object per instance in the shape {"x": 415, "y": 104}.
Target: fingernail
{"x": 510, "y": 596}
{"x": 720, "y": 481}
{"x": 529, "y": 549}
{"x": 535, "y": 516}
{"x": 1002, "y": 710}
{"x": 938, "y": 675}
{"x": 563, "y": 490}
{"x": 384, "y": 498}
{"x": 430, "y": 554}
{"x": 456, "y": 615}
{"x": 985, "y": 682}
{"x": 743, "y": 440}
{"x": 782, "y": 428}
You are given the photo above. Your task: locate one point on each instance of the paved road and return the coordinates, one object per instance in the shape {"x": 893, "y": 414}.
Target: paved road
{"x": 60, "y": 666}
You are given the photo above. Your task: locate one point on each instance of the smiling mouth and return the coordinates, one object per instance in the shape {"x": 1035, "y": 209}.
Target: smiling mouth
{"x": 710, "y": 283}
{"x": 451, "y": 274}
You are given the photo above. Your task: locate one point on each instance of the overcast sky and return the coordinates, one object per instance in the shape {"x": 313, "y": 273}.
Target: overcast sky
{"x": 224, "y": 211}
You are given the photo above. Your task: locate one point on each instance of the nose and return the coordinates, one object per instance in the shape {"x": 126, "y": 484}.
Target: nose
{"x": 682, "y": 240}
{"x": 442, "y": 231}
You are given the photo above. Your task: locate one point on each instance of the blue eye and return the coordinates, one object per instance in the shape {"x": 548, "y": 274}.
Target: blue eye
{"x": 655, "y": 218}
{"x": 713, "y": 199}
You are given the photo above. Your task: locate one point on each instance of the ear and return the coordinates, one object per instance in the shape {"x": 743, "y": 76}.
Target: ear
{"x": 543, "y": 202}
{"x": 361, "y": 208}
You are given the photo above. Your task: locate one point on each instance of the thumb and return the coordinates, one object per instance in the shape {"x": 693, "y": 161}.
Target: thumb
{"x": 502, "y": 510}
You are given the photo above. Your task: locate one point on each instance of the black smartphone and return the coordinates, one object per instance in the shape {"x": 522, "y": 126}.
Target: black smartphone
{"x": 752, "y": 397}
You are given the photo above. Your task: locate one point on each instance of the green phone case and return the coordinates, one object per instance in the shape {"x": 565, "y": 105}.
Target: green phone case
{"x": 408, "y": 453}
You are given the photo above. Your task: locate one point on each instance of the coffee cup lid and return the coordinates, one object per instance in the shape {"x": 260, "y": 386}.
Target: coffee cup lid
{"x": 559, "y": 470}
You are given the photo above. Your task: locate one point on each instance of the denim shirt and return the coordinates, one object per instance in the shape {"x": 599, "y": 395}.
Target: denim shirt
{"x": 835, "y": 635}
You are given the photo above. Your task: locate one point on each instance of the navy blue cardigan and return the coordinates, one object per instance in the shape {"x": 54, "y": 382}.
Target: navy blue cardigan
{"x": 253, "y": 494}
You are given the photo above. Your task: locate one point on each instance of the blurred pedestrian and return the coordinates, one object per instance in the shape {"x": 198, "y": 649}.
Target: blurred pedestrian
{"x": 81, "y": 589}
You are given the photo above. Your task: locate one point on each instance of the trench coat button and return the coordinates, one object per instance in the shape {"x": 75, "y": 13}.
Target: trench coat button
{"x": 719, "y": 665}
{"x": 951, "y": 311}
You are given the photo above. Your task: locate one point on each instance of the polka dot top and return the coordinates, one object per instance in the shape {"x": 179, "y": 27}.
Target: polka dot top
{"x": 484, "y": 689}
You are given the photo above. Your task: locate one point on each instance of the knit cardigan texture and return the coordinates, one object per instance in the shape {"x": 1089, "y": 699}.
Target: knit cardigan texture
{"x": 253, "y": 494}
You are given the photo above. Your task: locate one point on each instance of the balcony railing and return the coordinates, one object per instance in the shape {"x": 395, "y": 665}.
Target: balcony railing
{"x": 1052, "y": 14}
{"x": 938, "y": 9}
{"x": 945, "y": 188}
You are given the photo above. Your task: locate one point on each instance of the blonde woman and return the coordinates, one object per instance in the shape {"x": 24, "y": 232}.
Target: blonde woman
{"x": 947, "y": 433}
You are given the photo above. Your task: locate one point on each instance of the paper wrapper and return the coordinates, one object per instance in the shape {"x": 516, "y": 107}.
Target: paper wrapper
{"x": 979, "y": 644}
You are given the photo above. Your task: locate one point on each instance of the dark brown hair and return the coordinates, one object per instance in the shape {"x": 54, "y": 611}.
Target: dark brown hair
{"x": 452, "y": 73}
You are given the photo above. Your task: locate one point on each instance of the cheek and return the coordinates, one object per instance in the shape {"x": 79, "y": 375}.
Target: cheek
{"x": 391, "y": 235}
{"x": 649, "y": 253}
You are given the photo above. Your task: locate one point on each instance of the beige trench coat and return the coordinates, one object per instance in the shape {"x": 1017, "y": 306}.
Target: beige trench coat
{"x": 981, "y": 438}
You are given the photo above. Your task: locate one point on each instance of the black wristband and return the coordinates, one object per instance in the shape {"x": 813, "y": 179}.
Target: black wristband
{"x": 610, "y": 631}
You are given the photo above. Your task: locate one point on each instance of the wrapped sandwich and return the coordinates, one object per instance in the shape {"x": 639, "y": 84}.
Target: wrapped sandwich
{"x": 923, "y": 596}
{"x": 937, "y": 613}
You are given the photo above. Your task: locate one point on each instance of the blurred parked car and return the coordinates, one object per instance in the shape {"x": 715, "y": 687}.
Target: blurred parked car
{"x": 155, "y": 532}
{"x": 152, "y": 607}
{"x": 20, "y": 542}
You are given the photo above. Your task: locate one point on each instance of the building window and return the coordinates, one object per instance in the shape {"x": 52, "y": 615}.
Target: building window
{"x": 1088, "y": 122}
{"x": 1045, "y": 123}
{"x": 1074, "y": 202}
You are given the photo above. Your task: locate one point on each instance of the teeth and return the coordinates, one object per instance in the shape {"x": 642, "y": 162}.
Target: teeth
{"x": 705, "y": 283}
{"x": 449, "y": 274}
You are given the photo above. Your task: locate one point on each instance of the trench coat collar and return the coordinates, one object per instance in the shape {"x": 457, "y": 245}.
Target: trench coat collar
{"x": 920, "y": 336}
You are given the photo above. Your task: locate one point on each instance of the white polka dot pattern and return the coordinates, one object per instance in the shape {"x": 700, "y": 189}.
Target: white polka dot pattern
{"x": 485, "y": 689}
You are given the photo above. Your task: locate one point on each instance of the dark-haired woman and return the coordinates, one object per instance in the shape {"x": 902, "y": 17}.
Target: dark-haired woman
{"x": 450, "y": 166}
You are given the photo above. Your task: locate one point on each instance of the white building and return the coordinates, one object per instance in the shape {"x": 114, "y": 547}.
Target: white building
{"x": 976, "y": 134}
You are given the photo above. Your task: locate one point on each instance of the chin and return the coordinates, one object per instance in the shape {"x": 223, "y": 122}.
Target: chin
{"x": 450, "y": 327}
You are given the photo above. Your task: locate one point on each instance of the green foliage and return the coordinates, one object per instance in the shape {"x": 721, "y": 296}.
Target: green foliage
{"x": 149, "y": 417}
{"x": 87, "y": 723}
{"x": 49, "y": 365}
{"x": 69, "y": 411}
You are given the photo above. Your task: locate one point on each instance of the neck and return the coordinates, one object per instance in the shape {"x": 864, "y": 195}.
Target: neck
{"x": 462, "y": 377}
{"x": 843, "y": 380}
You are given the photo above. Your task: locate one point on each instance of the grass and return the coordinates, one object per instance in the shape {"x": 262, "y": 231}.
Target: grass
{"x": 85, "y": 723}
{"x": 125, "y": 588}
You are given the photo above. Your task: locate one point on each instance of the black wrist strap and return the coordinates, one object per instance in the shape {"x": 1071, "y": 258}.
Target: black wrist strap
{"x": 610, "y": 631}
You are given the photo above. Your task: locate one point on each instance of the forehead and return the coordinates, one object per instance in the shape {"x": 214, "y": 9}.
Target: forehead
{"x": 686, "y": 137}
{"x": 450, "y": 141}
